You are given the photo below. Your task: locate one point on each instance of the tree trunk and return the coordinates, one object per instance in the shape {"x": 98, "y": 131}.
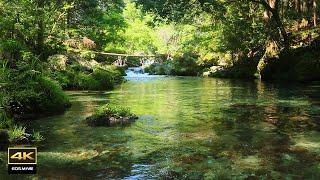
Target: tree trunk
{"x": 282, "y": 30}
{"x": 298, "y": 6}
{"x": 315, "y": 17}
{"x": 41, "y": 29}
{"x": 273, "y": 7}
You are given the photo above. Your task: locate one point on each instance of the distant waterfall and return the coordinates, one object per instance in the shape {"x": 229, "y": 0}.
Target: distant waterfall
{"x": 136, "y": 72}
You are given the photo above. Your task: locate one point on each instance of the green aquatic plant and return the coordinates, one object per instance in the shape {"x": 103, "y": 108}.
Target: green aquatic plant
{"x": 37, "y": 137}
{"x": 17, "y": 132}
{"x": 110, "y": 115}
{"x": 112, "y": 109}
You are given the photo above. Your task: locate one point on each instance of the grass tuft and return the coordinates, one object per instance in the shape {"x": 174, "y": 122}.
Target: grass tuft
{"x": 17, "y": 132}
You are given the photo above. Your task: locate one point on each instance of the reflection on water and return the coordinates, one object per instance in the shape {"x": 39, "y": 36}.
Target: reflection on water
{"x": 188, "y": 128}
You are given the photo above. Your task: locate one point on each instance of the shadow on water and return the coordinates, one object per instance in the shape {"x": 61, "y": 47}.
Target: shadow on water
{"x": 189, "y": 128}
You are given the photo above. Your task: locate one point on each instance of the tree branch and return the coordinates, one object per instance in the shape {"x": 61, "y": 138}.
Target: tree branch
{"x": 264, "y": 3}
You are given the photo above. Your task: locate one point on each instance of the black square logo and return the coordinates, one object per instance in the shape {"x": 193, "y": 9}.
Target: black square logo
{"x": 22, "y": 160}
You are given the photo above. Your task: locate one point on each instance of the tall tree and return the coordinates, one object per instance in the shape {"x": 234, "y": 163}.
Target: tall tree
{"x": 272, "y": 6}
{"x": 315, "y": 12}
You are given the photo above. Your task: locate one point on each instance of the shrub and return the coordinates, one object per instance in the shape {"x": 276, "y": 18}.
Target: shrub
{"x": 86, "y": 81}
{"x": 29, "y": 91}
{"x": 5, "y": 121}
{"x": 102, "y": 78}
{"x": 41, "y": 96}
{"x": 87, "y": 54}
{"x": 52, "y": 98}
{"x": 63, "y": 77}
{"x": 185, "y": 65}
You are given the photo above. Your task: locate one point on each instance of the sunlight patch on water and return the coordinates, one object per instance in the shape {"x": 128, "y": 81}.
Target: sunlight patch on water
{"x": 309, "y": 141}
{"x": 249, "y": 162}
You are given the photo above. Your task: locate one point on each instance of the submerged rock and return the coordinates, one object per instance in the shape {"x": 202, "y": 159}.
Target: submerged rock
{"x": 111, "y": 116}
{"x": 24, "y": 139}
{"x": 58, "y": 62}
{"x": 5, "y": 140}
{"x": 110, "y": 120}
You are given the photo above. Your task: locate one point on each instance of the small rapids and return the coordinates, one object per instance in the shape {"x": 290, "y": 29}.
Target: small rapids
{"x": 136, "y": 72}
{"x": 139, "y": 74}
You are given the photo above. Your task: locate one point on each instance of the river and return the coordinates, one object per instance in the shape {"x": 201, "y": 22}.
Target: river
{"x": 193, "y": 128}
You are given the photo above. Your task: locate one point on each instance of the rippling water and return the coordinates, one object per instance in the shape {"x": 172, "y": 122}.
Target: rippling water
{"x": 189, "y": 128}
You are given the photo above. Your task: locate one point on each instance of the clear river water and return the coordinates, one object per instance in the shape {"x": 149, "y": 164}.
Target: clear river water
{"x": 188, "y": 128}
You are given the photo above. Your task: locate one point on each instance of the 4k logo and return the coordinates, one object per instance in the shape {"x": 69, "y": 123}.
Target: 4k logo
{"x": 22, "y": 160}
{"x": 22, "y": 156}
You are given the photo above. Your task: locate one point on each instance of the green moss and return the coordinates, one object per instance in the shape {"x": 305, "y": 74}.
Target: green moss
{"x": 109, "y": 115}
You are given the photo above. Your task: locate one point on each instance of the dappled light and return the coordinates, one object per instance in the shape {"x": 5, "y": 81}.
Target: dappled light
{"x": 160, "y": 89}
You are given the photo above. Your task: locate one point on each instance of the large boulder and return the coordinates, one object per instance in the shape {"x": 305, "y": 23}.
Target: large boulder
{"x": 110, "y": 120}
{"x": 213, "y": 70}
{"x": 58, "y": 62}
{"x": 87, "y": 64}
{"x": 80, "y": 43}
{"x": 25, "y": 139}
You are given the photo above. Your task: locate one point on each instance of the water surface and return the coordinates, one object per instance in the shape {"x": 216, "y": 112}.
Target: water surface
{"x": 190, "y": 128}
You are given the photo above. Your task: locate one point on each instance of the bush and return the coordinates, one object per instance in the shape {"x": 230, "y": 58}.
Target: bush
{"x": 104, "y": 77}
{"x": 64, "y": 78}
{"x": 5, "y": 121}
{"x": 185, "y": 65}
{"x": 87, "y": 55}
{"x": 101, "y": 78}
{"x": 42, "y": 96}
{"x": 53, "y": 98}
{"x": 29, "y": 92}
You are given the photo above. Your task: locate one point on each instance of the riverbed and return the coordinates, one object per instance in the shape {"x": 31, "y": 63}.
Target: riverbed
{"x": 188, "y": 127}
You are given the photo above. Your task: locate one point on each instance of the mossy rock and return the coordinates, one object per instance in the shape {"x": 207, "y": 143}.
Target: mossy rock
{"x": 110, "y": 116}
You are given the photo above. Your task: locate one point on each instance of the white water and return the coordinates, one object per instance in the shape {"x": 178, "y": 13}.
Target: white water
{"x": 136, "y": 72}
